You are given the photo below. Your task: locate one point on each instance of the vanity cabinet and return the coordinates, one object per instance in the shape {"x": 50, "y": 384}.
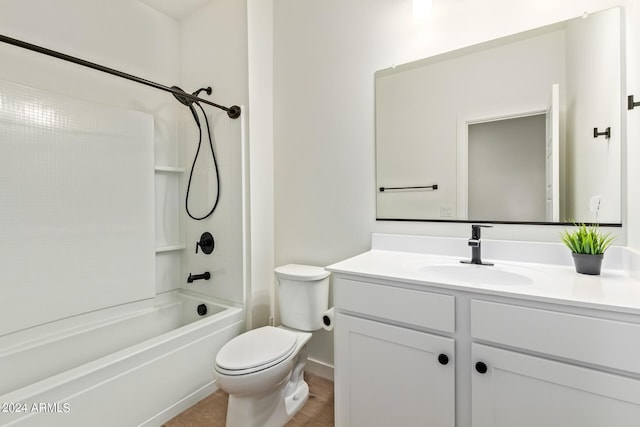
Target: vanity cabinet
{"x": 394, "y": 376}
{"x": 509, "y": 361}
{"x": 558, "y": 371}
{"x": 387, "y": 372}
{"x": 510, "y": 388}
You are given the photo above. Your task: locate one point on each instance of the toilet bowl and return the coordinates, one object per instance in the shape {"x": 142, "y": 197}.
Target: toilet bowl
{"x": 262, "y": 369}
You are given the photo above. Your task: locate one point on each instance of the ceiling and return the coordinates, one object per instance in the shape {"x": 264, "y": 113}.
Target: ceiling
{"x": 176, "y": 9}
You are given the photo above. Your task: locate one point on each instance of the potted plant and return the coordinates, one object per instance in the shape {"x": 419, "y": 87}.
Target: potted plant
{"x": 587, "y": 244}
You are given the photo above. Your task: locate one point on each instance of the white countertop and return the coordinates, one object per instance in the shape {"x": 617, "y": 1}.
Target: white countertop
{"x": 613, "y": 290}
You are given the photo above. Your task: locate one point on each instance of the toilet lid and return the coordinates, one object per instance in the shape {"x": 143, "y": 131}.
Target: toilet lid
{"x": 303, "y": 273}
{"x": 256, "y": 348}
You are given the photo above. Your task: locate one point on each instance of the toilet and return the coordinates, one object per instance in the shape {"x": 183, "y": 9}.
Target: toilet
{"x": 262, "y": 369}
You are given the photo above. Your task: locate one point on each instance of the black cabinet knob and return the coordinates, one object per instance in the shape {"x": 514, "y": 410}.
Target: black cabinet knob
{"x": 481, "y": 367}
{"x": 443, "y": 359}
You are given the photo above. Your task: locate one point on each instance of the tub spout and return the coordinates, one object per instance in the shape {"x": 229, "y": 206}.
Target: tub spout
{"x": 193, "y": 277}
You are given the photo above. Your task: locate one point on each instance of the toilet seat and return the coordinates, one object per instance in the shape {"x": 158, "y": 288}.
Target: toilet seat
{"x": 255, "y": 350}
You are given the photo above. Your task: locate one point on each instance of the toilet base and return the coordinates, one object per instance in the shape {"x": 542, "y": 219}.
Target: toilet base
{"x": 274, "y": 408}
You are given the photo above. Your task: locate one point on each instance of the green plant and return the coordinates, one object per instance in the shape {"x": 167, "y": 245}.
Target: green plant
{"x": 587, "y": 239}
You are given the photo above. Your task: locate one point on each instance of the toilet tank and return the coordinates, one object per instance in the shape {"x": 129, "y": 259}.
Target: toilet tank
{"x": 303, "y": 295}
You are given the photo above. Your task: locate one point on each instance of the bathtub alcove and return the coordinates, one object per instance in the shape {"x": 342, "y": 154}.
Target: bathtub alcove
{"x": 97, "y": 324}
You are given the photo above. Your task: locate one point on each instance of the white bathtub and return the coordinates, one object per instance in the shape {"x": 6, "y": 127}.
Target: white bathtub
{"x": 136, "y": 364}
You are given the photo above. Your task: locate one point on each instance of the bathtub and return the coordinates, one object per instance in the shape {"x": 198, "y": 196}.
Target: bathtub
{"x": 137, "y": 364}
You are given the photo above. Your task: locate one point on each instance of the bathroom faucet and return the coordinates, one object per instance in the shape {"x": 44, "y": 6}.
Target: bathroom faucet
{"x": 475, "y": 243}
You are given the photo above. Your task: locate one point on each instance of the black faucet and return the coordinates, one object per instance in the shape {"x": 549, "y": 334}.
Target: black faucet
{"x": 206, "y": 276}
{"x": 474, "y": 242}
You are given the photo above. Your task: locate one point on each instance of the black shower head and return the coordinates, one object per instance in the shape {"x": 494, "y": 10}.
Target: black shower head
{"x": 181, "y": 99}
{"x": 186, "y": 101}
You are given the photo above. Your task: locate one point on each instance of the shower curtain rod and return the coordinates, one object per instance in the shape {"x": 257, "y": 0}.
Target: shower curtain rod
{"x": 233, "y": 111}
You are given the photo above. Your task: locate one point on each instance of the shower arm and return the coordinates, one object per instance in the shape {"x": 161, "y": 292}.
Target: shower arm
{"x": 233, "y": 111}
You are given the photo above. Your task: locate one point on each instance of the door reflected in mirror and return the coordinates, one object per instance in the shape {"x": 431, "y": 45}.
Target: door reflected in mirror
{"x": 506, "y": 164}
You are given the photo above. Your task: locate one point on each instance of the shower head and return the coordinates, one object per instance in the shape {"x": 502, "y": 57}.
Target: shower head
{"x": 186, "y": 101}
{"x": 181, "y": 99}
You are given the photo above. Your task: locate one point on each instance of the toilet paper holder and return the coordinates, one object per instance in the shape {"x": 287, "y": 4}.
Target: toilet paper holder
{"x": 328, "y": 319}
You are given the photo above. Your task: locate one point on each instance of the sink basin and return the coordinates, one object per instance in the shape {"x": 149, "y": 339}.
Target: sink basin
{"x": 475, "y": 274}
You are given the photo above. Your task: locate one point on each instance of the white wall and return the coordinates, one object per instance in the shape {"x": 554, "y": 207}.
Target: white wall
{"x": 260, "y": 26}
{"x": 632, "y": 118}
{"x": 122, "y": 34}
{"x": 325, "y": 57}
{"x": 593, "y": 64}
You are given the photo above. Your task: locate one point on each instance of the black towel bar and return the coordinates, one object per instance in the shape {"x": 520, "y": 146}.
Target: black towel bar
{"x": 421, "y": 187}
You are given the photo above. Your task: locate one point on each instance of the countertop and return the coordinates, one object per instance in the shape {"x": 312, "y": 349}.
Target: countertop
{"x": 613, "y": 290}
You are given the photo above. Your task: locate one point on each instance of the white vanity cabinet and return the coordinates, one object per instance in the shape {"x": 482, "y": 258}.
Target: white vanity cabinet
{"x": 509, "y": 361}
{"x": 388, "y": 370}
{"x": 560, "y": 369}
{"x": 510, "y": 388}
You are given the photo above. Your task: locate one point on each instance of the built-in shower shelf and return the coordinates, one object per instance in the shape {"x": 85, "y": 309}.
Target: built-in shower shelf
{"x": 169, "y": 169}
{"x": 170, "y": 248}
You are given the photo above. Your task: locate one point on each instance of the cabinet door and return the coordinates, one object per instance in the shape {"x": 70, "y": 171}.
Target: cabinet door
{"x": 526, "y": 391}
{"x": 391, "y": 376}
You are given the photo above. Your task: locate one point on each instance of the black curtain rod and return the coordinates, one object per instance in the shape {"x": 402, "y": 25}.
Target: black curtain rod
{"x": 233, "y": 111}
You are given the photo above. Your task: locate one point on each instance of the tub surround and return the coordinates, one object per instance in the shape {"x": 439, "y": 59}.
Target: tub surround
{"x": 526, "y": 342}
{"x": 60, "y": 190}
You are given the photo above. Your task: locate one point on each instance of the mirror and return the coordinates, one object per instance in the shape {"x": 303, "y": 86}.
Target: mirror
{"x": 511, "y": 130}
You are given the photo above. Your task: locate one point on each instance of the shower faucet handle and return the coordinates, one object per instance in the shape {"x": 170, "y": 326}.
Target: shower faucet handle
{"x": 206, "y": 243}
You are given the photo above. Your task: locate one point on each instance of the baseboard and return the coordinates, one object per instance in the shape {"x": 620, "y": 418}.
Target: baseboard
{"x": 181, "y": 405}
{"x": 321, "y": 369}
